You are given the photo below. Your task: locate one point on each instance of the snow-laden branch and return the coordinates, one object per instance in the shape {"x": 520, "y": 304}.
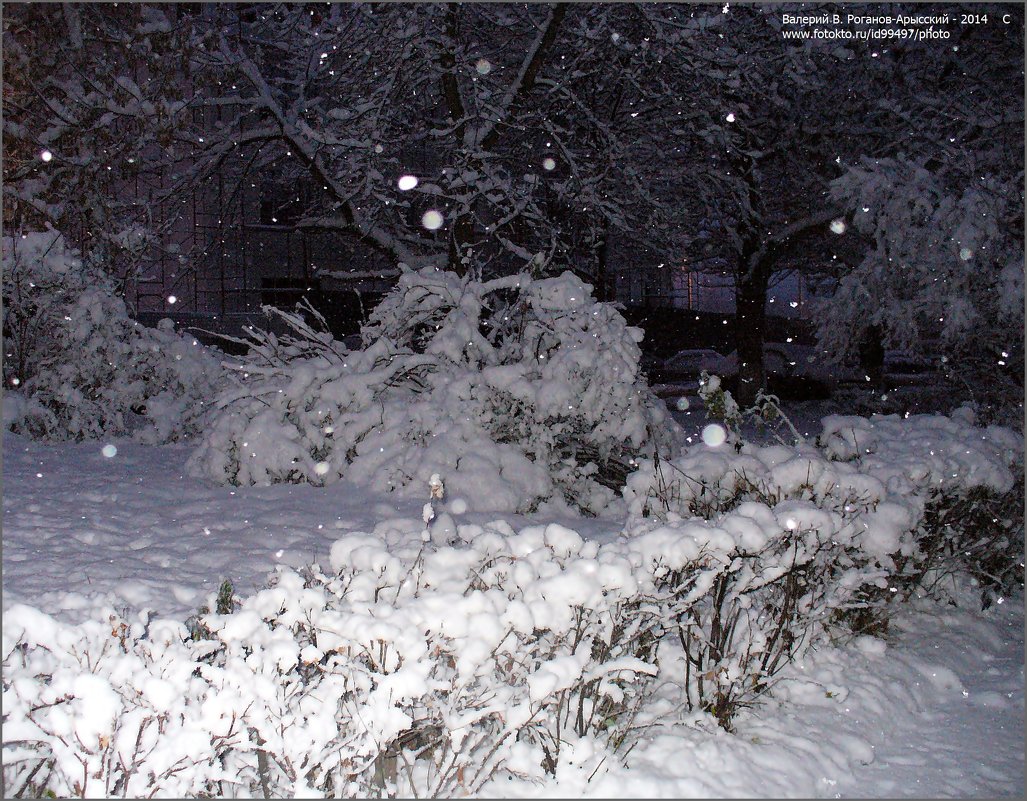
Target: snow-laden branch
{"x": 488, "y": 134}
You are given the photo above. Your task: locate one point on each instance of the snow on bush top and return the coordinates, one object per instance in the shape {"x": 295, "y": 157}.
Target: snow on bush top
{"x": 926, "y": 451}
{"x": 866, "y": 485}
{"x": 517, "y": 391}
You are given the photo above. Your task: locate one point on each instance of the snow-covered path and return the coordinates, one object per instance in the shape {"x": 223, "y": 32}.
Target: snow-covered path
{"x": 936, "y": 710}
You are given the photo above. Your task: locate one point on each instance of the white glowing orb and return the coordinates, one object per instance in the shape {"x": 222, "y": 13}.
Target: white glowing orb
{"x": 682, "y": 404}
{"x": 549, "y": 164}
{"x": 432, "y": 220}
{"x": 109, "y": 451}
{"x": 46, "y": 155}
{"x": 407, "y": 182}
{"x": 379, "y": 149}
{"x": 714, "y": 435}
{"x": 965, "y": 254}
{"x": 321, "y": 468}
{"x": 458, "y": 506}
{"x": 172, "y": 299}
{"x": 838, "y": 226}
{"x": 791, "y": 524}
{"x": 483, "y": 66}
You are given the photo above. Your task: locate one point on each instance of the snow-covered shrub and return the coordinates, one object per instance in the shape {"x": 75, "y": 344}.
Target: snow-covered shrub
{"x": 812, "y": 536}
{"x": 764, "y": 415}
{"x": 772, "y": 538}
{"x": 966, "y": 482}
{"x": 404, "y": 670}
{"x": 432, "y": 670}
{"x": 104, "y": 710}
{"x": 518, "y": 391}
{"x": 84, "y": 368}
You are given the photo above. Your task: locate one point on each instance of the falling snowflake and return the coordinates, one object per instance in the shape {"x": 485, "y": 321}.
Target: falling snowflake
{"x": 714, "y": 435}
{"x": 407, "y": 182}
{"x": 730, "y": 117}
{"x": 109, "y": 451}
{"x": 483, "y": 66}
{"x": 46, "y": 155}
{"x": 838, "y": 226}
{"x": 549, "y": 164}
{"x": 432, "y": 220}
{"x": 172, "y": 300}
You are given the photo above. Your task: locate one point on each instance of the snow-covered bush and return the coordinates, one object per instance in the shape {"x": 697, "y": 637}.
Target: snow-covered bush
{"x": 967, "y": 486}
{"x": 819, "y": 535}
{"x": 83, "y": 367}
{"x": 109, "y": 708}
{"x": 428, "y": 659}
{"x": 518, "y": 391}
{"x": 403, "y": 671}
{"x": 777, "y": 550}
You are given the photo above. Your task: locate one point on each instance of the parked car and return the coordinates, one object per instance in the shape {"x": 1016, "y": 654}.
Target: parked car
{"x": 686, "y": 365}
{"x": 793, "y": 371}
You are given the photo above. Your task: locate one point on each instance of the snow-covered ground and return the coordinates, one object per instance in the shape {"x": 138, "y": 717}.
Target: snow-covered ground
{"x": 936, "y": 709}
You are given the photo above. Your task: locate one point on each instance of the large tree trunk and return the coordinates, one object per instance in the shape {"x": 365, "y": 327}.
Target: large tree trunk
{"x": 750, "y": 330}
{"x": 871, "y": 356}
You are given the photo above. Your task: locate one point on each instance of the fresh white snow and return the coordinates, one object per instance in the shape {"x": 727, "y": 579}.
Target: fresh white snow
{"x": 935, "y": 709}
